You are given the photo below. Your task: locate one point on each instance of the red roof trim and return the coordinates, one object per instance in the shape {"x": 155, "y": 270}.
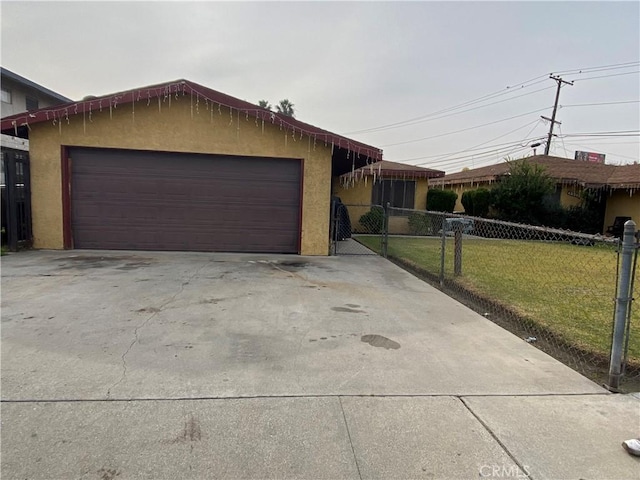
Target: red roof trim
{"x": 163, "y": 92}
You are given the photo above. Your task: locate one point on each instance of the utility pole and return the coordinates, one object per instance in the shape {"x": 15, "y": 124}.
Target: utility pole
{"x": 555, "y": 109}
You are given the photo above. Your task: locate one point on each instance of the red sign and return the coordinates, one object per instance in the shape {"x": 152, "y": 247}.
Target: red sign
{"x": 590, "y": 157}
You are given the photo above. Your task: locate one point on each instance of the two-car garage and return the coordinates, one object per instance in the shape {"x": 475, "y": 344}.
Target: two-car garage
{"x": 146, "y": 200}
{"x": 179, "y": 166}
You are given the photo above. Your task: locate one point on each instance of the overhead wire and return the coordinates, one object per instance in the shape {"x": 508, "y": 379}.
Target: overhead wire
{"x": 614, "y": 66}
{"x": 483, "y": 98}
{"x": 597, "y": 150}
{"x": 505, "y": 91}
{"x": 598, "y": 104}
{"x": 469, "y": 128}
{"x": 446, "y": 156}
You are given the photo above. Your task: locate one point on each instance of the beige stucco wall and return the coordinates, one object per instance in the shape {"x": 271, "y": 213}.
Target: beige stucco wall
{"x": 622, "y": 203}
{"x": 570, "y": 196}
{"x": 357, "y": 194}
{"x": 177, "y": 129}
{"x": 360, "y": 193}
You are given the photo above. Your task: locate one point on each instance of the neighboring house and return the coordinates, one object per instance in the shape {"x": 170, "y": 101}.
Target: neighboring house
{"x": 20, "y": 94}
{"x": 619, "y": 184}
{"x": 400, "y": 185}
{"x": 178, "y": 166}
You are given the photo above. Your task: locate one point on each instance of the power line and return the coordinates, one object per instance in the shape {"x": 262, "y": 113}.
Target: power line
{"x": 606, "y": 76}
{"x": 615, "y": 66}
{"x": 475, "y": 147}
{"x": 596, "y": 150}
{"x": 414, "y": 120}
{"x": 505, "y": 91}
{"x": 491, "y": 151}
{"x": 458, "y": 113}
{"x": 469, "y": 128}
{"x": 598, "y": 104}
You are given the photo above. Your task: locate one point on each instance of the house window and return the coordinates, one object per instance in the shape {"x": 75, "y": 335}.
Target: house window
{"x": 32, "y": 103}
{"x": 6, "y": 96}
{"x": 398, "y": 193}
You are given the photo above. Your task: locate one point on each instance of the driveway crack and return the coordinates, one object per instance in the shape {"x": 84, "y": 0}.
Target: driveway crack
{"x": 353, "y": 451}
{"x": 136, "y": 330}
{"x": 523, "y": 469}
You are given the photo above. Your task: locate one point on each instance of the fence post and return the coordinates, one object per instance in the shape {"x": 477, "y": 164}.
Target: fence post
{"x": 457, "y": 248}
{"x": 442, "y": 248}
{"x": 622, "y": 305}
{"x": 385, "y": 233}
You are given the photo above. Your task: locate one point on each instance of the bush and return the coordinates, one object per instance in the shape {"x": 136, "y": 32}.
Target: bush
{"x": 441, "y": 200}
{"x": 419, "y": 224}
{"x": 477, "y": 202}
{"x": 373, "y": 220}
{"x": 520, "y": 195}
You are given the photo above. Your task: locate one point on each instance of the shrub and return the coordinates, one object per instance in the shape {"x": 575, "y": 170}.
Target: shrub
{"x": 419, "y": 224}
{"x": 519, "y": 197}
{"x": 373, "y": 220}
{"x": 441, "y": 200}
{"x": 477, "y": 202}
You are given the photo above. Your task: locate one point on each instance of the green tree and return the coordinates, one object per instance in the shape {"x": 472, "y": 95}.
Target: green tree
{"x": 265, "y": 104}
{"x": 520, "y": 195}
{"x": 285, "y": 107}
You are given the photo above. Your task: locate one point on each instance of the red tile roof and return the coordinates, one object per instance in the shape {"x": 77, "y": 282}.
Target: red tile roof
{"x": 563, "y": 170}
{"x": 164, "y": 92}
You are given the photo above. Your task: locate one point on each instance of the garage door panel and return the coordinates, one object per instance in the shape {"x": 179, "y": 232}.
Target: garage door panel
{"x": 160, "y": 201}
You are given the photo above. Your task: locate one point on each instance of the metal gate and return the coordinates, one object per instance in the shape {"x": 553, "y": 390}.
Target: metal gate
{"x": 16, "y": 199}
{"x": 357, "y": 229}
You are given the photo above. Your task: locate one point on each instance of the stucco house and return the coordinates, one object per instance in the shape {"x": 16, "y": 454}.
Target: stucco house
{"x": 19, "y": 94}
{"x": 401, "y": 185}
{"x": 619, "y": 185}
{"x": 178, "y": 166}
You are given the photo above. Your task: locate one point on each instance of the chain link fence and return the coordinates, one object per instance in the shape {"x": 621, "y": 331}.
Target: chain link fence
{"x": 555, "y": 289}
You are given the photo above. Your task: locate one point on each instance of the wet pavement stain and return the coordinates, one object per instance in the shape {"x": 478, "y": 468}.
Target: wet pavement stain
{"x": 380, "y": 341}
{"x": 108, "y": 473}
{"x": 347, "y": 310}
{"x": 148, "y": 310}
{"x": 85, "y": 262}
{"x": 293, "y": 264}
{"x": 191, "y": 431}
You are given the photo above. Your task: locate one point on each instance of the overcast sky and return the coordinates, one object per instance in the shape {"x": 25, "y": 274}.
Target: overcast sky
{"x": 356, "y": 66}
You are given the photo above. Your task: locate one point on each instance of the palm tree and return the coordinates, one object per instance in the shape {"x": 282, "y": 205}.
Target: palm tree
{"x": 265, "y": 104}
{"x": 285, "y": 107}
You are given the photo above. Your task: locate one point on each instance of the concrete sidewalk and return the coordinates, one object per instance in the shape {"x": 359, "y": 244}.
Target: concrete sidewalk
{"x": 175, "y": 365}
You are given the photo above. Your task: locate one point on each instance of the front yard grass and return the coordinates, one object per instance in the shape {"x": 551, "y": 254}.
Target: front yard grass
{"x": 567, "y": 290}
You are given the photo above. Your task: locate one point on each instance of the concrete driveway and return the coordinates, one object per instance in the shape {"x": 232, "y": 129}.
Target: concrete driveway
{"x": 189, "y": 365}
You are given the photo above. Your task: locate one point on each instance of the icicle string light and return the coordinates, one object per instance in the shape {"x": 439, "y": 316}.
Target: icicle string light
{"x": 164, "y": 93}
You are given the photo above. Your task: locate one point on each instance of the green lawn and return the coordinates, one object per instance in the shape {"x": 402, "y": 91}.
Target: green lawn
{"x": 567, "y": 289}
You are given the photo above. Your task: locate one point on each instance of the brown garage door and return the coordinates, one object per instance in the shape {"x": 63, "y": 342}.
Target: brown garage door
{"x": 123, "y": 199}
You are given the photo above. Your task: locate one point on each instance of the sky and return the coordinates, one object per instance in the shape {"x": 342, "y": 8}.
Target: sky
{"x": 444, "y": 85}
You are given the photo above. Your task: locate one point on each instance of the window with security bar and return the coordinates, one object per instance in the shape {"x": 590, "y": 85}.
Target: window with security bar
{"x": 398, "y": 193}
